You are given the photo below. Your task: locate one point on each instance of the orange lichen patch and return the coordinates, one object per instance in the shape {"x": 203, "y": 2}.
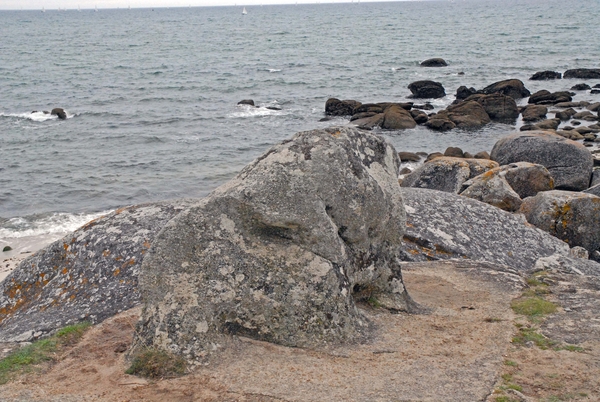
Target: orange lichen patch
{"x": 119, "y": 258}
{"x": 106, "y": 253}
{"x": 410, "y": 225}
{"x": 64, "y": 271}
{"x": 73, "y": 240}
{"x": 147, "y": 244}
{"x": 336, "y": 134}
{"x": 65, "y": 246}
{"x": 413, "y": 252}
{"x": 117, "y": 272}
{"x": 130, "y": 262}
{"x": 120, "y": 210}
{"x": 71, "y": 297}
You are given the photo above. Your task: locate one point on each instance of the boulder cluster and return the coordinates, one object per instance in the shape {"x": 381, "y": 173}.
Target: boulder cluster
{"x": 545, "y": 177}
{"x": 474, "y": 108}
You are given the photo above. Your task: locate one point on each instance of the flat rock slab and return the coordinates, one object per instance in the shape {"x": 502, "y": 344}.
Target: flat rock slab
{"x": 442, "y": 226}
{"x": 452, "y": 354}
{"x": 89, "y": 275}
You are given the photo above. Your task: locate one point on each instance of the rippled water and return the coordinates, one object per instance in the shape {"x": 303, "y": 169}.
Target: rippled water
{"x": 152, "y": 94}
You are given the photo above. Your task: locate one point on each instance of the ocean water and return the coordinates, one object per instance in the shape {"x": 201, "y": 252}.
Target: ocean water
{"x": 151, "y": 93}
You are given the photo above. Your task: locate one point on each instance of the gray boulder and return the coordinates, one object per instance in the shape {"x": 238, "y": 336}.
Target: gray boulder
{"x": 467, "y": 115}
{"x": 527, "y": 179}
{"x": 427, "y": 89}
{"x": 89, "y": 275}
{"x": 441, "y": 226}
{"x": 283, "y": 252}
{"x": 447, "y": 173}
{"x": 512, "y": 87}
{"x": 570, "y": 216}
{"x": 493, "y": 189}
{"x": 59, "y": 112}
{"x": 569, "y": 162}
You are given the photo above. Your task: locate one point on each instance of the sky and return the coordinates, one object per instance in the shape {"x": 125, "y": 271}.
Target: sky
{"x": 100, "y": 4}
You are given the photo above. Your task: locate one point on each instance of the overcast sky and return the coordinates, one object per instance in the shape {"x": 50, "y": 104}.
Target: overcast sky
{"x": 90, "y": 4}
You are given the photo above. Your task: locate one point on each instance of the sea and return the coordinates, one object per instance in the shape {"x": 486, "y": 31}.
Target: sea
{"x": 151, "y": 94}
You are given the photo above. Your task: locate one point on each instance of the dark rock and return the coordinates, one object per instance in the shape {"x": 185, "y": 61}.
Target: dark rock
{"x": 546, "y": 75}
{"x": 454, "y": 152}
{"x": 583, "y": 73}
{"x": 435, "y": 62}
{"x": 246, "y": 102}
{"x": 6, "y": 248}
{"x": 397, "y": 118}
{"x": 572, "y": 104}
{"x": 362, "y": 115}
{"x": 548, "y": 124}
{"x": 529, "y": 127}
{"x": 564, "y": 114}
{"x": 336, "y": 107}
{"x": 534, "y": 112}
{"x": 427, "y": 89}
{"x": 570, "y": 216}
{"x": 513, "y": 88}
{"x": 409, "y": 157}
{"x": 482, "y": 155}
{"x": 570, "y": 134}
{"x": 468, "y": 115}
{"x": 403, "y": 105}
{"x": 369, "y": 108}
{"x": 498, "y": 107}
{"x": 440, "y": 122}
{"x": 569, "y": 162}
{"x": 273, "y": 108}
{"x": 279, "y": 256}
{"x": 580, "y": 87}
{"x": 544, "y": 97}
{"x": 446, "y": 173}
{"x": 419, "y": 116}
{"x": 59, "y": 112}
{"x": 369, "y": 123}
{"x": 426, "y": 106}
{"x": 595, "y": 178}
{"x": 444, "y": 226}
{"x": 582, "y": 115}
{"x": 89, "y": 275}
{"x": 464, "y": 92}
{"x": 326, "y": 118}
{"x": 433, "y": 156}
{"x": 469, "y": 155}
{"x": 595, "y": 91}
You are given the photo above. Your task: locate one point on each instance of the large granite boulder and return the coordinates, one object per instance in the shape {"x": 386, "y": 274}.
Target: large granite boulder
{"x": 570, "y": 216}
{"x": 545, "y": 97}
{"x": 527, "y": 179}
{"x": 427, "y": 89}
{"x": 336, "y": 107}
{"x": 493, "y": 189}
{"x": 569, "y": 162}
{"x": 435, "y": 62}
{"x": 440, "y": 122}
{"x": 534, "y": 112}
{"x": 513, "y": 88}
{"x": 447, "y": 173}
{"x": 467, "y": 115}
{"x": 442, "y": 226}
{"x": 283, "y": 252}
{"x": 546, "y": 75}
{"x": 498, "y": 107}
{"x": 583, "y": 73}
{"x": 89, "y": 275}
{"x": 397, "y": 118}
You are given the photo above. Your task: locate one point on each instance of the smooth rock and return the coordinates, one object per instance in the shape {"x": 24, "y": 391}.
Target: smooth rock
{"x": 583, "y": 73}
{"x": 409, "y": 157}
{"x": 246, "y": 102}
{"x": 545, "y": 97}
{"x": 336, "y": 107}
{"x": 493, "y": 189}
{"x": 427, "y": 89}
{"x": 59, "y": 112}
{"x": 435, "y": 62}
{"x": 580, "y": 87}
{"x": 546, "y": 75}
{"x": 534, "y": 112}
{"x": 499, "y": 107}
{"x": 463, "y": 92}
{"x": 569, "y": 162}
{"x": 397, "y": 118}
{"x": 467, "y": 115}
{"x": 512, "y": 87}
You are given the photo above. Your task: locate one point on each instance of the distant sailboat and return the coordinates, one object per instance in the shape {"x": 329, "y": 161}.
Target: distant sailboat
{"x": 244, "y": 12}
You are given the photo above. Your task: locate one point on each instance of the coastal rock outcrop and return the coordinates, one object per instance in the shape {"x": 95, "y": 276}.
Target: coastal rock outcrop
{"x": 447, "y": 173}
{"x": 467, "y": 115}
{"x": 583, "y": 73}
{"x": 545, "y": 97}
{"x": 512, "y": 87}
{"x": 570, "y": 216}
{"x": 59, "y": 112}
{"x": 569, "y": 163}
{"x": 499, "y": 107}
{"x": 441, "y": 225}
{"x": 282, "y": 252}
{"x": 427, "y": 89}
{"x": 89, "y": 275}
{"x": 435, "y": 62}
{"x": 397, "y": 118}
{"x": 534, "y": 112}
{"x": 336, "y": 107}
{"x": 546, "y": 75}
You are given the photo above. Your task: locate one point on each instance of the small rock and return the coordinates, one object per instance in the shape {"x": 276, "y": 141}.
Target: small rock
{"x": 7, "y": 248}
{"x": 435, "y": 62}
{"x": 546, "y": 75}
{"x": 59, "y": 112}
{"x": 580, "y": 87}
{"x": 454, "y": 152}
{"x": 409, "y": 157}
{"x": 427, "y": 89}
{"x": 246, "y": 102}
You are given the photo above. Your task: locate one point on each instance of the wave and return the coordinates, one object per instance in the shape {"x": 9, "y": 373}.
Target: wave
{"x": 35, "y": 116}
{"x": 45, "y": 224}
{"x": 252, "y": 111}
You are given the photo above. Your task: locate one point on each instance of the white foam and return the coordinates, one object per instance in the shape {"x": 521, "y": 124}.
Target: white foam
{"x": 252, "y": 111}
{"x": 56, "y": 223}
{"x": 36, "y": 116}
{"x": 274, "y": 70}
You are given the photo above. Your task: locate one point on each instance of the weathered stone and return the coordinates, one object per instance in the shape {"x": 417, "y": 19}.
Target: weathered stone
{"x": 435, "y": 62}
{"x": 580, "y": 87}
{"x": 595, "y": 188}
{"x": 249, "y": 102}
{"x": 463, "y": 92}
{"x": 570, "y": 216}
{"x": 492, "y": 188}
{"x": 409, "y": 157}
{"x": 447, "y": 173}
{"x": 570, "y": 134}
{"x": 369, "y": 123}
{"x": 513, "y": 88}
{"x": 544, "y": 97}
{"x": 527, "y": 179}
{"x": 442, "y": 226}
{"x": 467, "y": 115}
{"x": 564, "y": 114}
{"x": 572, "y": 104}
{"x": 433, "y": 156}
{"x": 569, "y": 162}
{"x": 594, "y": 107}
{"x": 397, "y": 118}
{"x": 548, "y": 124}
{"x": 499, "y": 107}
{"x": 583, "y": 73}
{"x": 546, "y": 75}
{"x": 534, "y": 112}
{"x": 282, "y": 252}
{"x": 427, "y": 89}
{"x": 419, "y": 116}
{"x": 89, "y": 275}
{"x": 336, "y": 107}
{"x": 59, "y": 112}
{"x": 482, "y": 155}
{"x": 440, "y": 122}
{"x": 363, "y": 115}
{"x": 454, "y": 152}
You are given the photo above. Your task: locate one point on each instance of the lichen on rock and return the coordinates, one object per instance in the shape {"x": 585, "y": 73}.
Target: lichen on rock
{"x": 282, "y": 252}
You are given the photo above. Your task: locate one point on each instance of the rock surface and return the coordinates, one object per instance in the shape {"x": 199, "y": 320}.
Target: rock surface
{"x": 546, "y": 75}
{"x": 467, "y": 115}
{"x": 570, "y": 216}
{"x": 435, "y": 62}
{"x": 512, "y": 87}
{"x": 583, "y": 73}
{"x": 427, "y": 89}
{"x": 447, "y": 173}
{"x": 336, "y": 107}
{"x": 59, "y": 112}
{"x": 282, "y": 252}
{"x": 499, "y": 107}
{"x": 493, "y": 189}
{"x": 89, "y": 275}
{"x": 442, "y": 226}
{"x": 569, "y": 162}
{"x": 397, "y": 118}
